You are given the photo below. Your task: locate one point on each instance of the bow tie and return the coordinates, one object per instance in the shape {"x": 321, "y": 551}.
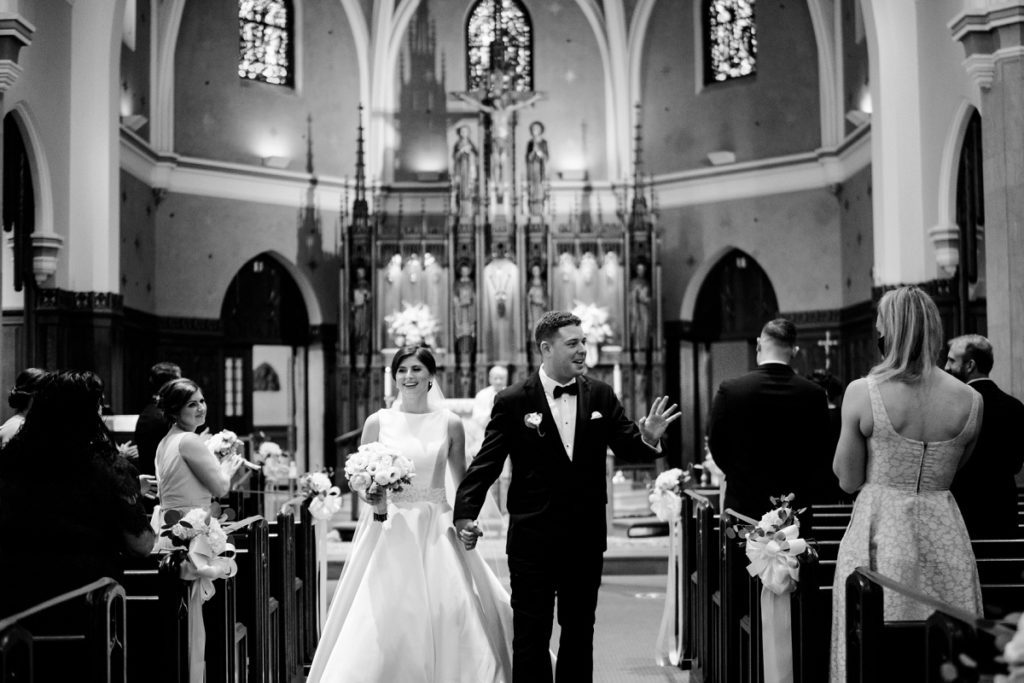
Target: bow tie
{"x": 571, "y": 389}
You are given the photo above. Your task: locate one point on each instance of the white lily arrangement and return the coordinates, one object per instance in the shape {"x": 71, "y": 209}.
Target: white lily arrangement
{"x": 594, "y": 322}
{"x": 414, "y": 325}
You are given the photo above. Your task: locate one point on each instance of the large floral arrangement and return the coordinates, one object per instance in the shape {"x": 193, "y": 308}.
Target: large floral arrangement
{"x": 414, "y": 325}
{"x": 594, "y": 321}
{"x": 376, "y": 469}
{"x": 667, "y": 492}
{"x": 324, "y": 497}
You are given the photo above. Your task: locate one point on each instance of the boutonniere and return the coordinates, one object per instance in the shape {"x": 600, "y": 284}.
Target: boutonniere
{"x": 533, "y": 420}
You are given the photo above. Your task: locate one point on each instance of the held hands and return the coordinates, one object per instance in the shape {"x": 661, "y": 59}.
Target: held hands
{"x": 128, "y": 450}
{"x": 653, "y": 426}
{"x": 468, "y": 532}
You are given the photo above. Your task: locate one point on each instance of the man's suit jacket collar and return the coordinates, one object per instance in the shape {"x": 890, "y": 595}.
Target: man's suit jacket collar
{"x": 976, "y": 380}
{"x": 775, "y": 369}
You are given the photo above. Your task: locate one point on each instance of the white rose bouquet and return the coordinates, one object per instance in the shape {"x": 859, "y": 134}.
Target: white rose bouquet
{"x": 225, "y": 443}
{"x": 667, "y": 492}
{"x": 325, "y": 498}
{"x": 376, "y": 469}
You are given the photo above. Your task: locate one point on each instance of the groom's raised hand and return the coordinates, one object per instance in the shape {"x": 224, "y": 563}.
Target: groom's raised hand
{"x": 654, "y": 424}
{"x": 468, "y": 532}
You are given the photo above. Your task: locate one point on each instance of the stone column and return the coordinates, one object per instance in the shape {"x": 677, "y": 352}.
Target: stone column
{"x": 15, "y": 33}
{"x": 993, "y": 40}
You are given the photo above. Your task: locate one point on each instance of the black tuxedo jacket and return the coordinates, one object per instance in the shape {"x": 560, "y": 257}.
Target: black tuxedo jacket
{"x": 151, "y": 427}
{"x": 769, "y": 434}
{"x": 555, "y": 505}
{"x": 985, "y": 488}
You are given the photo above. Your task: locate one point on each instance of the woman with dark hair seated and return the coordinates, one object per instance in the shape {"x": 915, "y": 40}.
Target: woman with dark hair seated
{"x": 29, "y": 381}
{"x": 69, "y": 502}
{"x": 189, "y": 475}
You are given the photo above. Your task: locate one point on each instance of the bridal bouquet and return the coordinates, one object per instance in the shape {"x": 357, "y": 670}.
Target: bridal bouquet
{"x": 324, "y": 497}
{"x": 205, "y": 542}
{"x": 414, "y": 325}
{"x": 667, "y": 492}
{"x": 378, "y": 469}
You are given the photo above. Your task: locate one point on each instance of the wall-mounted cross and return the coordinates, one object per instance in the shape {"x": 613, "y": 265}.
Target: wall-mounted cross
{"x": 828, "y": 343}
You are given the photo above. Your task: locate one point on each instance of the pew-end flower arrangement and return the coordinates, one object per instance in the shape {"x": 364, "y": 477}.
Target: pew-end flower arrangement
{"x": 200, "y": 536}
{"x": 377, "y": 470}
{"x": 774, "y": 546}
{"x": 667, "y": 492}
{"x": 276, "y": 464}
{"x": 324, "y": 497}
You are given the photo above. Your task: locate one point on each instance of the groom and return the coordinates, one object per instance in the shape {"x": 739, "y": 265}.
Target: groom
{"x": 556, "y": 426}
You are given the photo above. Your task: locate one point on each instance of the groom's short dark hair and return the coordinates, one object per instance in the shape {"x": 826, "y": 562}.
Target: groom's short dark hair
{"x": 551, "y": 322}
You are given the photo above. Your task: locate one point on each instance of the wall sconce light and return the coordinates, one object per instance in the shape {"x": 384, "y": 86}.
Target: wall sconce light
{"x": 858, "y": 117}
{"x": 721, "y": 157}
{"x": 133, "y": 122}
{"x": 276, "y": 162}
{"x": 45, "y": 249}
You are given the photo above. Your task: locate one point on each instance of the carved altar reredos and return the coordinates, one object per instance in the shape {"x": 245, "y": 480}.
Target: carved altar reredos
{"x": 488, "y": 252}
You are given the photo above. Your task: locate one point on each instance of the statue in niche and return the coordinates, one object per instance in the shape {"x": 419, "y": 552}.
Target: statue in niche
{"x": 435, "y": 283}
{"x": 465, "y": 303}
{"x": 464, "y": 165}
{"x": 500, "y": 106}
{"x": 640, "y": 308}
{"x": 361, "y": 298}
{"x": 586, "y": 279}
{"x": 536, "y": 168}
{"x": 536, "y": 297}
{"x": 501, "y": 310}
{"x": 413, "y": 288}
{"x": 390, "y": 298}
{"x": 564, "y": 288}
{"x": 610, "y": 291}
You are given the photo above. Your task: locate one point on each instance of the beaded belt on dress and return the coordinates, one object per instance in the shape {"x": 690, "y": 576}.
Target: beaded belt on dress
{"x": 418, "y": 495}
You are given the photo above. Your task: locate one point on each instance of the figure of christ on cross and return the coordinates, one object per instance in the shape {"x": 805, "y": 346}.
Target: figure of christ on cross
{"x": 500, "y": 108}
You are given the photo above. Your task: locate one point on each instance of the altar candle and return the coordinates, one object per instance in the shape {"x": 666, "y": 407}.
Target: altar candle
{"x": 387, "y": 383}
{"x": 617, "y": 380}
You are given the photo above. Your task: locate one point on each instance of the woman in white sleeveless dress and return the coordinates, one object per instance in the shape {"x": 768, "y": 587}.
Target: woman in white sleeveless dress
{"x": 188, "y": 475}
{"x": 412, "y": 605}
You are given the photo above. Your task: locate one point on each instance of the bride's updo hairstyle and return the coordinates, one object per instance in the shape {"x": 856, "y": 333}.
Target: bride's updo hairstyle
{"x": 174, "y": 395}
{"x": 910, "y": 324}
{"x": 422, "y": 354}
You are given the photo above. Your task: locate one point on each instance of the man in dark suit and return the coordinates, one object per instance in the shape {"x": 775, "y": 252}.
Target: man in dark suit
{"x": 985, "y": 488}
{"x": 152, "y": 426}
{"x": 769, "y": 430}
{"x": 556, "y": 426}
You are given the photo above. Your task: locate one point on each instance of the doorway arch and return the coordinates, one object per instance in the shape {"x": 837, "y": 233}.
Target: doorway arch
{"x": 265, "y": 365}
{"x": 729, "y": 300}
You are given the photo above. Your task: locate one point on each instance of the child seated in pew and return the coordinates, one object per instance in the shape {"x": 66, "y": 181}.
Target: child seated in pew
{"x": 70, "y": 504}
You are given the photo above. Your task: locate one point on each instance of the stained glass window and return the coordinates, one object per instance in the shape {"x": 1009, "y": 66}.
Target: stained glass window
{"x": 730, "y": 39}
{"x": 499, "y": 41}
{"x": 265, "y": 41}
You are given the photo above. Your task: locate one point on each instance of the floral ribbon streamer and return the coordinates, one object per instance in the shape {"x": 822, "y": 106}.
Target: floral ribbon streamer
{"x": 773, "y": 559}
{"x": 669, "y": 647}
{"x": 202, "y": 569}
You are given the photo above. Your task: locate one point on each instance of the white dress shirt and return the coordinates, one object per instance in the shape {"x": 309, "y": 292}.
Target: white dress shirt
{"x": 563, "y": 410}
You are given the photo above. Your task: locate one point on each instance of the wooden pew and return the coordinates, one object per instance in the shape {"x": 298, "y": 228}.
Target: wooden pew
{"x": 306, "y": 570}
{"x": 700, "y": 526}
{"x": 157, "y": 615}
{"x": 256, "y": 608}
{"x": 80, "y": 631}
{"x": 285, "y": 587}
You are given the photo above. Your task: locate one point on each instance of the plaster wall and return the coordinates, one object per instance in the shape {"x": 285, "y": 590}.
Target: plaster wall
{"x": 138, "y": 244}
{"x": 854, "y": 56}
{"x": 43, "y": 91}
{"x": 135, "y": 69}
{"x": 795, "y": 237}
{"x": 856, "y": 235}
{"x": 223, "y": 117}
{"x": 775, "y": 112}
{"x": 201, "y": 242}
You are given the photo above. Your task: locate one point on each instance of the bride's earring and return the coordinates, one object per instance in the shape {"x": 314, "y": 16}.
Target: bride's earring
{"x": 430, "y": 385}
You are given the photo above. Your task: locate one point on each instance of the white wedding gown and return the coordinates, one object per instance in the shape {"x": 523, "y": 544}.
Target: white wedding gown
{"x": 412, "y": 605}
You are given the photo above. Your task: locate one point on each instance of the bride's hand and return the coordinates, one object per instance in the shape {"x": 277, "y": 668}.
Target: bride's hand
{"x": 374, "y": 498}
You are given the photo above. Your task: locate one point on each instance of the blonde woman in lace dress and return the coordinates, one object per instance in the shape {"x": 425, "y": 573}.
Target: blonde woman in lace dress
{"x": 906, "y": 429}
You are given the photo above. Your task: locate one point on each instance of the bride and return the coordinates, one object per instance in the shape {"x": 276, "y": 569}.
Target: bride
{"x": 412, "y": 604}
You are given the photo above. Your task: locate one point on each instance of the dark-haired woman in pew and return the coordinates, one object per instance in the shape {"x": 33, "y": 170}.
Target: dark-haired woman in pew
{"x": 28, "y": 382}
{"x": 189, "y": 475}
{"x": 70, "y": 505}
{"x": 906, "y": 429}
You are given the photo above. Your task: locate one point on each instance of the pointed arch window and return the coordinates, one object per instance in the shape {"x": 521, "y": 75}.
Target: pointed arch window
{"x": 499, "y": 40}
{"x": 730, "y": 40}
{"x": 265, "y": 34}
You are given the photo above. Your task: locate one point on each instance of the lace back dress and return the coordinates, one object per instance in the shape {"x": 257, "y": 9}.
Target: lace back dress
{"x": 906, "y": 525}
{"x": 412, "y": 605}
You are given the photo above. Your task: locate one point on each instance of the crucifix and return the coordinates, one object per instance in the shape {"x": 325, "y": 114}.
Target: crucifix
{"x": 828, "y": 343}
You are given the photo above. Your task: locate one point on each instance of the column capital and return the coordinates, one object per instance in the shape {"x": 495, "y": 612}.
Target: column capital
{"x": 15, "y": 33}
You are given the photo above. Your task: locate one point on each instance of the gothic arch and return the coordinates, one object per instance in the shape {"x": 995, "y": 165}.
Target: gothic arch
{"x": 949, "y": 165}
{"x": 719, "y": 280}
{"x": 42, "y": 184}
{"x": 314, "y": 312}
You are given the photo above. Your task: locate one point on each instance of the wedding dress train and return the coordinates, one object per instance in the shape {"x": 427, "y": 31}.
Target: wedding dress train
{"x": 412, "y": 605}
